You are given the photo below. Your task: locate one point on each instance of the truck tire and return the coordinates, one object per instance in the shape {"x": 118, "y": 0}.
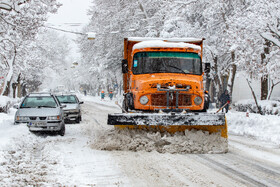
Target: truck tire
{"x": 124, "y": 106}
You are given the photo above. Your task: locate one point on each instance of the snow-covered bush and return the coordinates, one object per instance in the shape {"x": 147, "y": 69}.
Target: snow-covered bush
{"x": 5, "y": 102}
{"x": 270, "y": 107}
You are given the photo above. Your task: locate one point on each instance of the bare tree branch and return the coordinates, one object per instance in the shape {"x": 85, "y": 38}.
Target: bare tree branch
{"x": 255, "y": 98}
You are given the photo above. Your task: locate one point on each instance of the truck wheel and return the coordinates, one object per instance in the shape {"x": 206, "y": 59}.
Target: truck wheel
{"x": 124, "y": 106}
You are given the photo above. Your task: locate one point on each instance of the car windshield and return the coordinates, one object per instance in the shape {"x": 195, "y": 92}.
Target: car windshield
{"x": 38, "y": 102}
{"x": 67, "y": 99}
{"x": 167, "y": 62}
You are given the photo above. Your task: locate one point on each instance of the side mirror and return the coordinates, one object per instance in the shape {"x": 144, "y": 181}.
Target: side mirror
{"x": 82, "y": 102}
{"x": 207, "y": 68}
{"x": 124, "y": 66}
{"x": 16, "y": 106}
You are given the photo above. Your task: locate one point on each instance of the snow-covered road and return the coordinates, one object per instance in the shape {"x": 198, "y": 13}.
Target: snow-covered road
{"x": 49, "y": 160}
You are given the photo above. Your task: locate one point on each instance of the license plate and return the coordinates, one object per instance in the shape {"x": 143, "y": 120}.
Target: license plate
{"x": 35, "y": 124}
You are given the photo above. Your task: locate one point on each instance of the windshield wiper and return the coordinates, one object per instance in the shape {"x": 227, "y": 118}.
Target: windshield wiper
{"x": 46, "y": 106}
{"x": 68, "y": 102}
{"x": 25, "y": 107}
{"x": 182, "y": 71}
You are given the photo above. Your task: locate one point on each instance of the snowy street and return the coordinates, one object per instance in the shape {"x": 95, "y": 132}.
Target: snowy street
{"x": 52, "y": 160}
{"x": 139, "y": 93}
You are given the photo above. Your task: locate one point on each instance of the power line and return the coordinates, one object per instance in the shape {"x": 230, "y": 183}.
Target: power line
{"x": 65, "y": 30}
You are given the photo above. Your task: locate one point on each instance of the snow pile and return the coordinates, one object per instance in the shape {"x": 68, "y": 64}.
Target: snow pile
{"x": 267, "y": 106}
{"x": 266, "y": 128}
{"x": 30, "y": 160}
{"x": 138, "y": 140}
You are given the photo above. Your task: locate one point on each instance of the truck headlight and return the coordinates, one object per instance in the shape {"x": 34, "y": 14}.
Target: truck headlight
{"x": 144, "y": 100}
{"x": 197, "y": 100}
{"x": 53, "y": 117}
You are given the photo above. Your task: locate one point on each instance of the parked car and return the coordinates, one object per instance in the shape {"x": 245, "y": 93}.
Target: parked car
{"x": 72, "y": 111}
{"x": 41, "y": 112}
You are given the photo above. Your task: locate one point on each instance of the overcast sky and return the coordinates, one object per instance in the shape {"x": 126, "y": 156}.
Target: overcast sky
{"x": 71, "y": 11}
{"x": 72, "y": 16}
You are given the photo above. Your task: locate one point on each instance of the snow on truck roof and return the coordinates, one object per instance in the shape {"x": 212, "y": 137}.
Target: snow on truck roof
{"x": 190, "y": 40}
{"x": 161, "y": 43}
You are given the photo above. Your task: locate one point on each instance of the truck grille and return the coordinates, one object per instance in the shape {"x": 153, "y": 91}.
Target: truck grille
{"x": 160, "y": 100}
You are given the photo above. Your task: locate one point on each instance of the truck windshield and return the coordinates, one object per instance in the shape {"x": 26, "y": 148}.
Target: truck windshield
{"x": 167, "y": 62}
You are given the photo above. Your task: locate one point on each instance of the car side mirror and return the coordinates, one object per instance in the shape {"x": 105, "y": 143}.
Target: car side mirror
{"x": 82, "y": 102}
{"x": 207, "y": 67}
{"x": 16, "y": 106}
{"x": 124, "y": 66}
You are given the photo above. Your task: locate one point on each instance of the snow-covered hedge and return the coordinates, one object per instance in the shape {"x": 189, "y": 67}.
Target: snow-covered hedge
{"x": 271, "y": 107}
{"x": 6, "y": 103}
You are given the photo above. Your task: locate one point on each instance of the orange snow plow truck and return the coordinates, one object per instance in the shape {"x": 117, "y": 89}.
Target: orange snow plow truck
{"x": 163, "y": 87}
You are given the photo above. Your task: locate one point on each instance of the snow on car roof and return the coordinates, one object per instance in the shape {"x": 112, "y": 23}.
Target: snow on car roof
{"x": 39, "y": 94}
{"x": 163, "y": 44}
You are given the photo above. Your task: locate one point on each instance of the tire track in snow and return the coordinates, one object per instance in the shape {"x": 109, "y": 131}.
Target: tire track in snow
{"x": 231, "y": 171}
{"x": 272, "y": 149}
{"x": 256, "y": 168}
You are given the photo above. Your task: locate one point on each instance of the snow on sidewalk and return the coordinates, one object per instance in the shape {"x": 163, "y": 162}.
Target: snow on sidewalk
{"x": 261, "y": 127}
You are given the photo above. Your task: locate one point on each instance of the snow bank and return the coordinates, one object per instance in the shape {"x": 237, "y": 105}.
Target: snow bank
{"x": 138, "y": 140}
{"x": 267, "y": 106}
{"x": 28, "y": 161}
{"x": 4, "y": 100}
{"x": 266, "y": 128}
{"x": 8, "y": 130}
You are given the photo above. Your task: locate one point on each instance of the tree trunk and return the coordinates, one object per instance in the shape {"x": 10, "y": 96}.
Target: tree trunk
{"x": 271, "y": 89}
{"x": 264, "y": 78}
{"x": 217, "y": 80}
{"x": 232, "y": 74}
{"x": 7, "y": 89}
{"x": 255, "y": 98}
{"x": 14, "y": 86}
{"x": 264, "y": 87}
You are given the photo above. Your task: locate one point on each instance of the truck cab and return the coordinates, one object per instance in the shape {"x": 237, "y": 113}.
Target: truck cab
{"x": 163, "y": 74}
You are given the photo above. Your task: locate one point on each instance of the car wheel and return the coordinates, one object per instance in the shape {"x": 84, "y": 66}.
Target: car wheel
{"x": 77, "y": 120}
{"x": 61, "y": 132}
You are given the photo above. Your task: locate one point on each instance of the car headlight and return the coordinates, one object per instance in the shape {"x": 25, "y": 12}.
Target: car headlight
{"x": 144, "y": 100}
{"x": 53, "y": 117}
{"x": 22, "y": 118}
{"x": 197, "y": 100}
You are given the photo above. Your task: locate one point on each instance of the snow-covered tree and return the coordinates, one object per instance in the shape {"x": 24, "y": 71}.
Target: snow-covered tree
{"x": 240, "y": 35}
{"x": 19, "y": 23}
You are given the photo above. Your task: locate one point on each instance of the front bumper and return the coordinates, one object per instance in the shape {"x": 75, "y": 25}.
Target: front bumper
{"x": 68, "y": 115}
{"x": 43, "y": 125}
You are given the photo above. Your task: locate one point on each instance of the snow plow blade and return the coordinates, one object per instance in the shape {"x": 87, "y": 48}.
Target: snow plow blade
{"x": 170, "y": 122}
